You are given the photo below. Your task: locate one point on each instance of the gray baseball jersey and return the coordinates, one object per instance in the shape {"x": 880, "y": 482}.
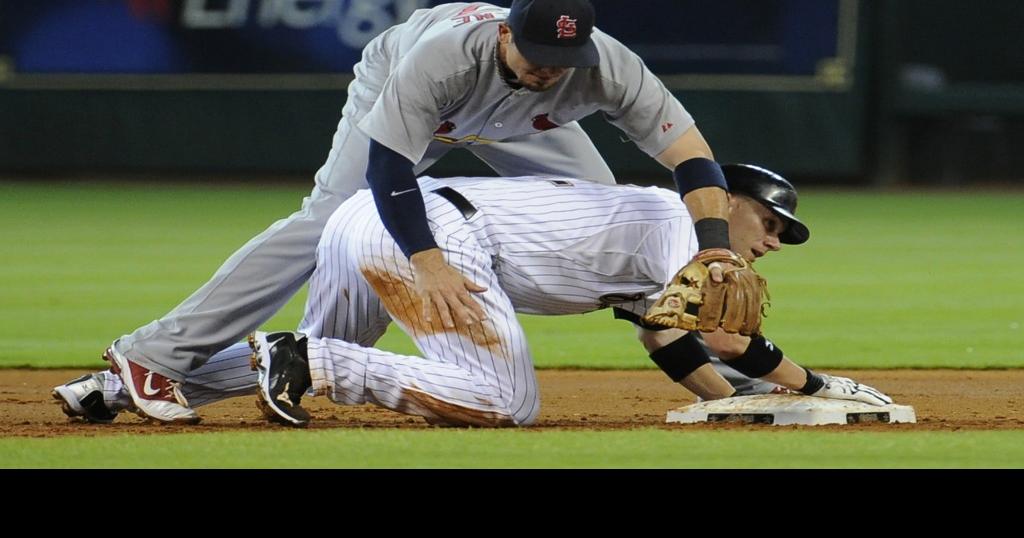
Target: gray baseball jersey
{"x": 443, "y": 87}
{"x": 421, "y": 88}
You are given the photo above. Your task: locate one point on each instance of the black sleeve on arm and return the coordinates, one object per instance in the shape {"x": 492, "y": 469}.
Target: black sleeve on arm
{"x": 398, "y": 199}
{"x": 698, "y": 173}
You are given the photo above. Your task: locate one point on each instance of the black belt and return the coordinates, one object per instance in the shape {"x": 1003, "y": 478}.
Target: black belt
{"x": 459, "y": 201}
{"x": 619, "y": 313}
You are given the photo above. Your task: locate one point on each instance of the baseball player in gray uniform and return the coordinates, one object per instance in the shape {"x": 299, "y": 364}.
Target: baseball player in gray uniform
{"x": 539, "y": 245}
{"x": 506, "y": 84}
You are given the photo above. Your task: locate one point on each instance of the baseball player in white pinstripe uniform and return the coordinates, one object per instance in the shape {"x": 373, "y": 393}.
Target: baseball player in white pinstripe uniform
{"x": 539, "y": 245}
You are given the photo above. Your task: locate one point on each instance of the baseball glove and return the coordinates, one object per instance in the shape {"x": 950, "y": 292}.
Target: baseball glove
{"x": 692, "y": 301}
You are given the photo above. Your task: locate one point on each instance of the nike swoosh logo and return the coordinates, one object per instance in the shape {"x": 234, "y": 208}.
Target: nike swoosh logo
{"x": 147, "y": 387}
{"x": 396, "y": 193}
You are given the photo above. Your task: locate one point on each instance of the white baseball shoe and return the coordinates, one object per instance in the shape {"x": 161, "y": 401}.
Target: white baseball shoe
{"x": 82, "y": 399}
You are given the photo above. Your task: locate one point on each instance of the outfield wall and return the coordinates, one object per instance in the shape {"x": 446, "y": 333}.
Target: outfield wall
{"x": 887, "y": 100}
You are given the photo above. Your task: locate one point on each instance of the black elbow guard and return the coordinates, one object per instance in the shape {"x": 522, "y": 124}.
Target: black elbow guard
{"x": 681, "y": 358}
{"x": 761, "y": 358}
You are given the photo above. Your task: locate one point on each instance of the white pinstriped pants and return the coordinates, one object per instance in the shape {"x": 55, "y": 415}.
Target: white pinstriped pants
{"x": 480, "y": 376}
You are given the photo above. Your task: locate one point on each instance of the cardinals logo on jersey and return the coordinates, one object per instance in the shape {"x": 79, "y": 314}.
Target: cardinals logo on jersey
{"x": 542, "y": 123}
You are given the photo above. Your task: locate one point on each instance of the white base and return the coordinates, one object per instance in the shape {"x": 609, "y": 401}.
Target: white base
{"x": 789, "y": 409}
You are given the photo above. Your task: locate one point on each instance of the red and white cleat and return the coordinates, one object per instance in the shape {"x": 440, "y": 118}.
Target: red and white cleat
{"x": 155, "y": 396}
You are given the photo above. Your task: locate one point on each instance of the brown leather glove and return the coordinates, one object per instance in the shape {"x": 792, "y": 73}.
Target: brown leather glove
{"x": 692, "y": 301}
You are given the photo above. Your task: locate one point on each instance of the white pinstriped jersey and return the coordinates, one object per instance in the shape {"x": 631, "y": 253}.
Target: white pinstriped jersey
{"x": 566, "y": 246}
{"x": 542, "y": 245}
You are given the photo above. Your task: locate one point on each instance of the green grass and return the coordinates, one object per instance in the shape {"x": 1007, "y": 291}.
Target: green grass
{"x": 887, "y": 280}
{"x": 525, "y": 449}
{"x": 919, "y": 280}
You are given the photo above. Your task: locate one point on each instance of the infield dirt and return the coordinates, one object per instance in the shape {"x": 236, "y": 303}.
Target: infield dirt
{"x": 570, "y": 399}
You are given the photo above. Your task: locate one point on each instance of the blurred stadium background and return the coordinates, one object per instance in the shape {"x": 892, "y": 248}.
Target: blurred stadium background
{"x": 842, "y": 92}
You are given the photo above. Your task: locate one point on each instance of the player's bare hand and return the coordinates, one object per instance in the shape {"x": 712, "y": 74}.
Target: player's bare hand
{"x": 445, "y": 292}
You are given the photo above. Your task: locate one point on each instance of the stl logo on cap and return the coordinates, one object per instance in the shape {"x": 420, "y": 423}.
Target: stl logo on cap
{"x": 566, "y": 27}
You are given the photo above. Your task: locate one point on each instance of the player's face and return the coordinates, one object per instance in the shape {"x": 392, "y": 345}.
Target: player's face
{"x": 531, "y": 76}
{"x": 753, "y": 228}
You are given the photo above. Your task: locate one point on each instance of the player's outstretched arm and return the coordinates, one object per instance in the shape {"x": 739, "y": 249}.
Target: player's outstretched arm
{"x": 761, "y": 358}
{"x": 681, "y": 356}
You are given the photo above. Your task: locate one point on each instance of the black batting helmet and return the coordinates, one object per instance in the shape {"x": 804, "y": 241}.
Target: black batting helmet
{"x": 773, "y": 191}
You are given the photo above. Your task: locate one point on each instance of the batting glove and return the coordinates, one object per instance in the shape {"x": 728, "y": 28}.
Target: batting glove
{"x": 844, "y": 388}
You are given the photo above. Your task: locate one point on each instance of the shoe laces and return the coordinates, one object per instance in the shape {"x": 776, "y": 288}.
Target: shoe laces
{"x": 175, "y": 388}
